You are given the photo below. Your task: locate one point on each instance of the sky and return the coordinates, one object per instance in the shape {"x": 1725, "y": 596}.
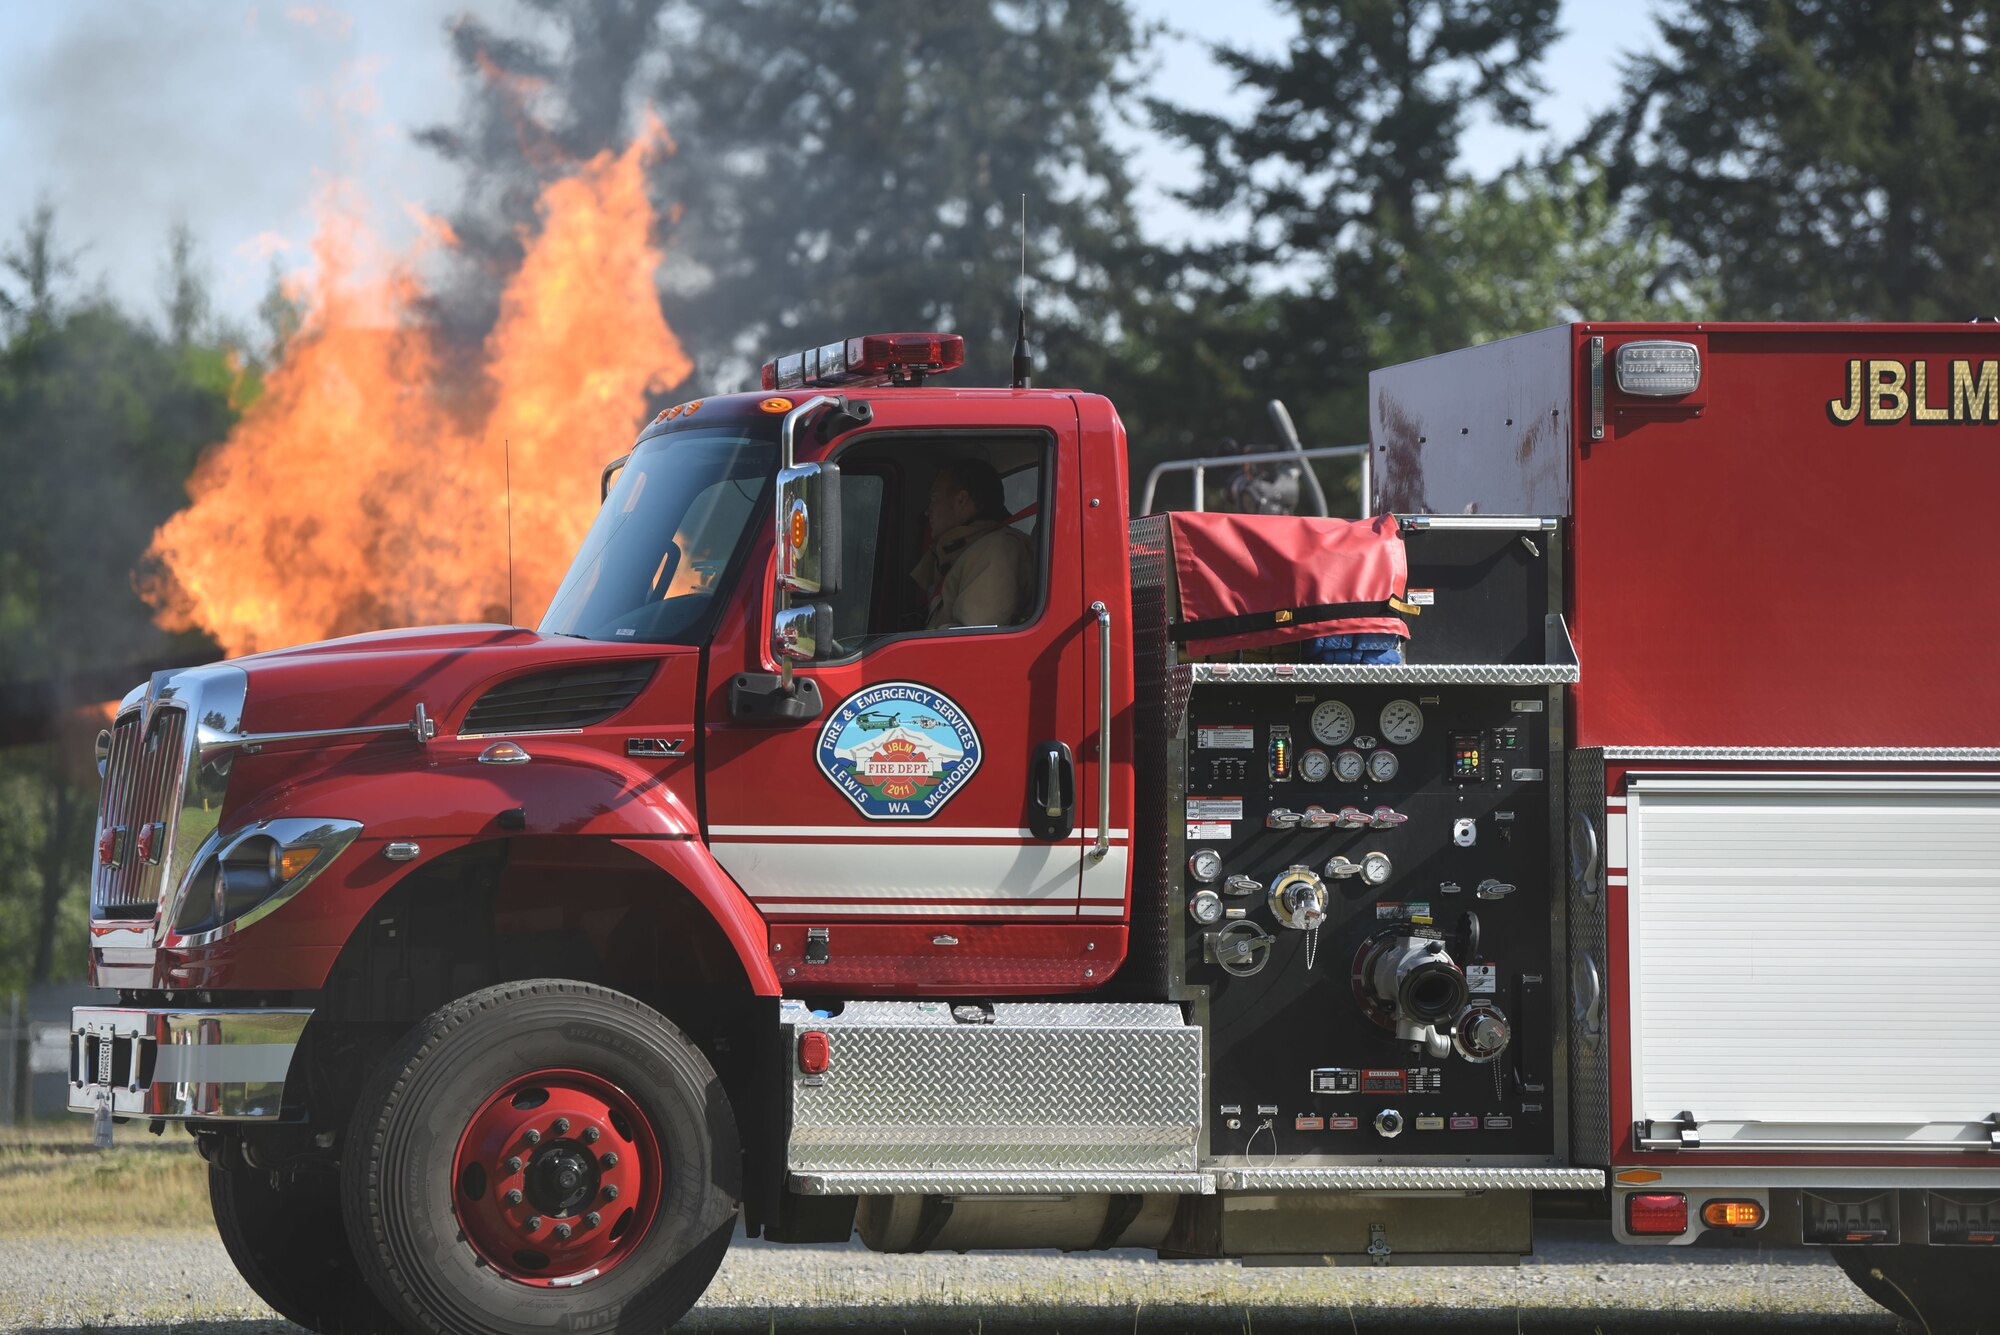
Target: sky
{"x": 234, "y": 115}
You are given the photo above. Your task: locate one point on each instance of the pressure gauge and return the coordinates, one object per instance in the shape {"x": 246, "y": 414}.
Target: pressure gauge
{"x": 1206, "y": 907}
{"x": 1382, "y": 765}
{"x": 1348, "y": 767}
{"x": 1205, "y": 865}
{"x": 1375, "y": 868}
{"x": 1314, "y": 766}
{"x": 1332, "y": 722}
{"x": 1402, "y": 722}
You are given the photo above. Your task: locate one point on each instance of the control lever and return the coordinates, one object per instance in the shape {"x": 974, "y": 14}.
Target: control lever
{"x": 1351, "y": 818}
{"x": 1383, "y": 818}
{"x": 1242, "y": 885}
{"x": 1492, "y": 889}
{"x": 1281, "y": 818}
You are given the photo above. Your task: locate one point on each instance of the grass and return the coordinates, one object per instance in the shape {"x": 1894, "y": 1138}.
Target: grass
{"x": 53, "y": 1186}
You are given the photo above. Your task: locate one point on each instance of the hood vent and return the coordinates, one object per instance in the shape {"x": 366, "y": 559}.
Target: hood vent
{"x": 557, "y": 701}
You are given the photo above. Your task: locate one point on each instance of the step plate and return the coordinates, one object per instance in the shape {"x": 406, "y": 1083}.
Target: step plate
{"x": 1057, "y": 1092}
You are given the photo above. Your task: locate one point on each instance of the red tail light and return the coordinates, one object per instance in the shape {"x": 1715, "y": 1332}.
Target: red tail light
{"x": 109, "y": 845}
{"x": 1663, "y": 1213}
{"x": 815, "y": 1052}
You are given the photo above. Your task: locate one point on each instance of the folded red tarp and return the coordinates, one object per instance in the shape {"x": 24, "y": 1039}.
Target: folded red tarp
{"x": 1266, "y": 574}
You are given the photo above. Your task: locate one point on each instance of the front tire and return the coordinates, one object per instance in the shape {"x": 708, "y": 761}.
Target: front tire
{"x": 291, "y": 1249}
{"x": 542, "y": 1155}
{"x": 1942, "y": 1289}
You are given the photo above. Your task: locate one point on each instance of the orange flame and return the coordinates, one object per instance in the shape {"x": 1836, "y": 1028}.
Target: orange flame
{"x": 367, "y": 487}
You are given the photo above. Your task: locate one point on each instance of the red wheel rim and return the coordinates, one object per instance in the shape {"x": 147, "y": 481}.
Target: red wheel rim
{"x": 557, "y": 1178}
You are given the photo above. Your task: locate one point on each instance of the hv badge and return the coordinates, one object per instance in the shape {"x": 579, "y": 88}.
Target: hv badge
{"x": 898, "y": 751}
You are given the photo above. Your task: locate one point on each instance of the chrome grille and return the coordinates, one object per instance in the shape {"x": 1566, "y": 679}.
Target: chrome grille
{"x": 142, "y": 778}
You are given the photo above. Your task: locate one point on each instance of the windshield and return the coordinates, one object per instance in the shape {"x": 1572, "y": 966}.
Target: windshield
{"x": 656, "y": 557}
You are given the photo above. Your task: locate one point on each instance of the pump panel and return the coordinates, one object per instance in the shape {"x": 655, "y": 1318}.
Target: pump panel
{"x": 1379, "y": 973}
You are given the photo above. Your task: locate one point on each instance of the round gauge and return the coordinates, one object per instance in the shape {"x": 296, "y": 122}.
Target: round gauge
{"x": 1402, "y": 722}
{"x": 1332, "y": 722}
{"x": 1348, "y": 766}
{"x": 1206, "y": 907}
{"x": 1314, "y": 766}
{"x": 1375, "y": 868}
{"x": 1205, "y": 865}
{"x": 1382, "y": 765}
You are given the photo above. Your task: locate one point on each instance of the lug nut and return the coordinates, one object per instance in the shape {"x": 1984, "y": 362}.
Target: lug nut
{"x": 561, "y": 1127}
{"x": 610, "y": 1159}
{"x": 592, "y": 1220}
{"x": 514, "y": 1197}
{"x": 534, "y": 1222}
{"x": 590, "y": 1135}
{"x": 562, "y": 1232}
{"x": 513, "y": 1163}
{"x": 532, "y": 1136}
{"x": 611, "y": 1191}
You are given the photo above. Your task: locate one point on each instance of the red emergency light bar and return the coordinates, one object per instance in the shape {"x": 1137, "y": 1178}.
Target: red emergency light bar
{"x": 871, "y": 359}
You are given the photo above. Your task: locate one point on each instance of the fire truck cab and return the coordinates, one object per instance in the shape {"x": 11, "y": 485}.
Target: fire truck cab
{"x": 885, "y": 833}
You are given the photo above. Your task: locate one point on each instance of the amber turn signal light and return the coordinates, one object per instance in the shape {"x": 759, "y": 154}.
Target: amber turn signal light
{"x": 1732, "y": 1214}
{"x": 295, "y": 860}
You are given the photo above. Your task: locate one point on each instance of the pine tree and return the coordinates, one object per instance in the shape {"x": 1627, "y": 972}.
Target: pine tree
{"x": 1335, "y": 176}
{"x": 1824, "y": 159}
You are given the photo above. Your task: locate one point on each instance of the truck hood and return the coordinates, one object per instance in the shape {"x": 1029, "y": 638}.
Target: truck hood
{"x": 382, "y": 677}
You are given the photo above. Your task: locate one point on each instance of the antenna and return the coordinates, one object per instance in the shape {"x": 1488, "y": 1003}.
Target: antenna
{"x": 1024, "y": 364}
{"x": 507, "y": 460}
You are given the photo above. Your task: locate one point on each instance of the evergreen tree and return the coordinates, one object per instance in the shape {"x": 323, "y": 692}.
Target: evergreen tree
{"x": 852, "y": 166}
{"x": 839, "y": 166}
{"x": 1336, "y": 174}
{"x": 1824, "y": 159}
{"x": 101, "y": 420}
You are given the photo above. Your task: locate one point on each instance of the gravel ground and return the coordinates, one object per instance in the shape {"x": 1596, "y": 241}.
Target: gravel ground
{"x": 183, "y": 1283}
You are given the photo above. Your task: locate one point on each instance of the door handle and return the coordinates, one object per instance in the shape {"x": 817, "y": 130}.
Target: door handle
{"x": 1052, "y": 792}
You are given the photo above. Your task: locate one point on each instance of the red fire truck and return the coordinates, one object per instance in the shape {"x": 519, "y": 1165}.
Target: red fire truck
{"x": 1645, "y": 868}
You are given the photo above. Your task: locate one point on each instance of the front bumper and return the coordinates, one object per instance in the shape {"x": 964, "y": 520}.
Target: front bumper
{"x": 219, "y": 1065}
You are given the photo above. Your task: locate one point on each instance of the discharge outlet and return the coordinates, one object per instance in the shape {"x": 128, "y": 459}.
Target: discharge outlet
{"x": 1407, "y": 981}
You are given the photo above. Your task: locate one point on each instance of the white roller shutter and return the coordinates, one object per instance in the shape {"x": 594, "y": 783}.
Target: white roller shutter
{"x": 1816, "y": 962}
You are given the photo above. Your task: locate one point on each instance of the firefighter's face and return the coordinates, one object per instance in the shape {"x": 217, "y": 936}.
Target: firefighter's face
{"x": 950, "y": 505}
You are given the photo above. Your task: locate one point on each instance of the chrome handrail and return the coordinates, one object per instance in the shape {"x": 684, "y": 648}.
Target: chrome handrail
{"x": 1199, "y": 467}
{"x": 1103, "y": 845}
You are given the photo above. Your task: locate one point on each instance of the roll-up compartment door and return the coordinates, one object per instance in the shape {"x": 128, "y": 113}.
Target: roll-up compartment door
{"x": 1813, "y": 962}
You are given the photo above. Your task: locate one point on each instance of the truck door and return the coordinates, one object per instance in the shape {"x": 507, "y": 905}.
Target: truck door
{"x": 901, "y": 839}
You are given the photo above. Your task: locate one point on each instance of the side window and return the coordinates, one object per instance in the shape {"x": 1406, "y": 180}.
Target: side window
{"x": 941, "y": 534}
{"x": 860, "y": 529}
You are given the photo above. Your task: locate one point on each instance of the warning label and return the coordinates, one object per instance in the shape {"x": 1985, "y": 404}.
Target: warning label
{"x": 1226, "y": 738}
{"x": 1215, "y": 808}
{"x": 1205, "y": 829}
{"x": 1481, "y": 978}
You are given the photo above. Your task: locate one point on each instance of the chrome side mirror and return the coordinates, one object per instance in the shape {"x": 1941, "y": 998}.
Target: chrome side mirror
{"x": 808, "y": 523}
{"x": 802, "y": 634}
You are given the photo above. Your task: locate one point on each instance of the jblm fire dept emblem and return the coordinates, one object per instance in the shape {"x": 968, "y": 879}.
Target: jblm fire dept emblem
{"x": 898, "y": 751}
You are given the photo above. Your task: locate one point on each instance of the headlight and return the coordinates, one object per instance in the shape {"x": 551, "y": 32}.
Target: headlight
{"x": 258, "y": 870}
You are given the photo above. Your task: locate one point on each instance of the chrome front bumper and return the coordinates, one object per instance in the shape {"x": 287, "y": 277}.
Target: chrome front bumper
{"x": 212, "y": 1064}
